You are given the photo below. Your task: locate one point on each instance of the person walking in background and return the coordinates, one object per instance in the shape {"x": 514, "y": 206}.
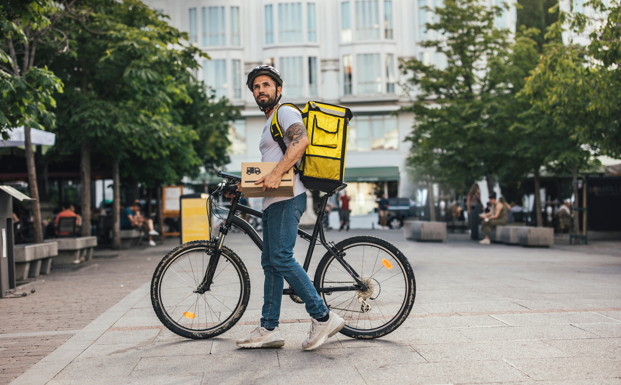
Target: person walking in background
{"x": 382, "y": 210}
{"x": 496, "y": 217}
{"x": 344, "y": 211}
{"x": 474, "y": 207}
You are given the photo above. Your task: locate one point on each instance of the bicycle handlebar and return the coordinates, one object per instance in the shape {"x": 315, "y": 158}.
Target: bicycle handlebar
{"x": 228, "y": 176}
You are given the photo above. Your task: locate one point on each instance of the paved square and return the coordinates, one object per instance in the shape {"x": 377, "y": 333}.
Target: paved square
{"x": 495, "y": 314}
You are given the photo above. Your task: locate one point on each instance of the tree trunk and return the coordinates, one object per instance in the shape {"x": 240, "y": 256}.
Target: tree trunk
{"x": 41, "y": 176}
{"x": 116, "y": 206}
{"x": 574, "y": 171}
{"x": 538, "y": 199}
{"x": 34, "y": 191}
{"x": 135, "y": 192}
{"x": 432, "y": 207}
{"x": 489, "y": 178}
{"x": 85, "y": 174}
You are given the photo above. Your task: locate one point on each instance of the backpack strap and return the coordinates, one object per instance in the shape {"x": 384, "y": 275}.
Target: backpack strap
{"x": 278, "y": 134}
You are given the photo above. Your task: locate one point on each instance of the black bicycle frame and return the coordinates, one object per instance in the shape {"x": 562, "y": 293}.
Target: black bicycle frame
{"x": 318, "y": 232}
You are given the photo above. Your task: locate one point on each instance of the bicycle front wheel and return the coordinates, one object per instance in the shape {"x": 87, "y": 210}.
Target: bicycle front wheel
{"x": 194, "y": 315}
{"x": 387, "y": 302}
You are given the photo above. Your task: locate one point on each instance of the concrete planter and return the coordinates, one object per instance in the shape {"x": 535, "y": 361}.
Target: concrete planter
{"x": 536, "y": 236}
{"x": 511, "y": 235}
{"x": 74, "y": 250}
{"x": 32, "y": 260}
{"x": 424, "y": 231}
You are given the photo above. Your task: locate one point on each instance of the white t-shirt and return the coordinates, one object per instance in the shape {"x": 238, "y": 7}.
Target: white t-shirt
{"x": 271, "y": 151}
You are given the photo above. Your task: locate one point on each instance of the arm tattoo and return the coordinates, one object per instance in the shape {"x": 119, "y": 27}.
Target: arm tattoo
{"x": 295, "y": 132}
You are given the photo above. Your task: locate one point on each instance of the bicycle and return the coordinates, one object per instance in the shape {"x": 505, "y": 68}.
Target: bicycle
{"x": 201, "y": 288}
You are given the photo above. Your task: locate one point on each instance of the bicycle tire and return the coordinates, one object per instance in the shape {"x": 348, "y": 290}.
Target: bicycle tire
{"x": 377, "y": 327}
{"x": 168, "y": 315}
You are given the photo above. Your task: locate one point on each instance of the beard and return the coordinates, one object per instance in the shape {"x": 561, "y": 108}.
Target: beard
{"x": 266, "y": 102}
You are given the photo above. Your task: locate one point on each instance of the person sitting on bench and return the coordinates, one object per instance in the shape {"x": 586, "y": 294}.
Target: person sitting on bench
{"x": 67, "y": 212}
{"x": 131, "y": 219}
{"x": 496, "y": 217}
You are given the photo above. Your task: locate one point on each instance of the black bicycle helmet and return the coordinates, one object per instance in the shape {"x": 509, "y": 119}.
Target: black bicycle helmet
{"x": 264, "y": 70}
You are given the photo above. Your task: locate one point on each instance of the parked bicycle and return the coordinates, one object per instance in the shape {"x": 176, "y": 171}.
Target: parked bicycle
{"x": 201, "y": 288}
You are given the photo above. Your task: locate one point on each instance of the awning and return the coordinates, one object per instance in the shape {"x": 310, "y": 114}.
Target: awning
{"x": 15, "y": 193}
{"x": 372, "y": 174}
{"x": 17, "y": 137}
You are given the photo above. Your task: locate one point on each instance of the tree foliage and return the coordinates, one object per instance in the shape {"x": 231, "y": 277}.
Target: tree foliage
{"x": 459, "y": 108}
{"x": 131, "y": 93}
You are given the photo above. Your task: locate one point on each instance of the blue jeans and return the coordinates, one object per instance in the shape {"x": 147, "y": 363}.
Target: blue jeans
{"x": 280, "y": 228}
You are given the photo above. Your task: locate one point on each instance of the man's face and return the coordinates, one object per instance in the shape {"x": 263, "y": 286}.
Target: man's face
{"x": 71, "y": 208}
{"x": 265, "y": 91}
{"x": 492, "y": 201}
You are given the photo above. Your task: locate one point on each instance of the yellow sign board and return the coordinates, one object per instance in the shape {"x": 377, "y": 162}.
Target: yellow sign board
{"x": 195, "y": 219}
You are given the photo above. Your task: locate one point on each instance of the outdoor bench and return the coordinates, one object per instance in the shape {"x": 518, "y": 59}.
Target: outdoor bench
{"x": 424, "y": 231}
{"x": 536, "y": 236}
{"x": 32, "y": 260}
{"x": 131, "y": 238}
{"x": 511, "y": 235}
{"x": 74, "y": 250}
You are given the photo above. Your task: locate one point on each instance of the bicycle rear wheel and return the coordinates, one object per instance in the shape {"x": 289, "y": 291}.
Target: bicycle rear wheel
{"x": 388, "y": 274}
{"x": 195, "y": 315}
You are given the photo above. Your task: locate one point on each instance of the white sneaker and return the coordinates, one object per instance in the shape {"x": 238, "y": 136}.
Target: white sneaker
{"x": 153, "y": 232}
{"x": 152, "y": 243}
{"x": 485, "y": 242}
{"x": 320, "y": 331}
{"x": 262, "y": 338}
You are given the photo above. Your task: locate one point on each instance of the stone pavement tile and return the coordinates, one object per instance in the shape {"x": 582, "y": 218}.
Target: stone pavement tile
{"x": 452, "y": 322}
{"x": 146, "y": 380}
{"x": 484, "y": 351}
{"x": 543, "y": 332}
{"x": 96, "y": 368}
{"x": 133, "y": 336}
{"x": 612, "y": 314}
{"x": 407, "y": 334}
{"x": 214, "y": 363}
{"x": 166, "y": 335}
{"x": 378, "y": 356}
{"x": 346, "y": 375}
{"x": 467, "y": 307}
{"x": 603, "y": 329}
{"x": 138, "y": 317}
{"x": 572, "y": 368}
{"x": 552, "y": 318}
{"x": 597, "y": 347}
{"x": 442, "y": 373}
{"x": 600, "y": 381}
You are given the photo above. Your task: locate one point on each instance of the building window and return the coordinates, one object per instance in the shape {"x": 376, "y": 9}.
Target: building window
{"x": 369, "y": 74}
{"x": 345, "y": 22}
{"x": 312, "y": 23}
{"x": 204, "y": 25}
{"x": 312, "y": 76}
{"x": 235, "y": 35}
{"x": 390, "y": 73}
{"x": 293, "y": 76}
{"x": 193, "y": 26}
{"x": 367, "y": 20}
{"x": 347, "y": 80}
{"x": 388, "y": 29}
{"x": 217, "y": 31}
{"x": 214, "y": 73}
{"x": 237, "y": 137}
{"x": 373, "y": 132}
{"x": 289, "y": 23}
{"x": 237, "y": 90}
{"x": 269, "y": 25}
{"x": 422, "y": 19}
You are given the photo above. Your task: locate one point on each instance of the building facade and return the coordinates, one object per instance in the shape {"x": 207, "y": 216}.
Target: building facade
{"x": 337, "y": 51}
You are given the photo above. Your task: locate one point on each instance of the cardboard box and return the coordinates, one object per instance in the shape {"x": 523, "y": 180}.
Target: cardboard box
{"x": 252, "y": 172}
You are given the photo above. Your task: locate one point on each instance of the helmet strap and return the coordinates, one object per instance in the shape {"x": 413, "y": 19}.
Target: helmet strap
{"x": 263, "y": 109}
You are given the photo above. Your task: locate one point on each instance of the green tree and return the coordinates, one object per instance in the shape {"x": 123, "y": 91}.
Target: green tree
{"x": 26, "y": 84}
{"x": 129, "y": 94}
{"x": 459, "y": 109}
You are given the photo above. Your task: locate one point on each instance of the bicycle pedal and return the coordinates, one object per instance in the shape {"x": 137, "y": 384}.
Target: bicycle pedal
{"x": 296, "y": 299}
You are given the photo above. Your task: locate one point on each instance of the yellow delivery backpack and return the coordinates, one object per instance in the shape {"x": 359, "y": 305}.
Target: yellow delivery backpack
{"x": 323, "y": 165}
